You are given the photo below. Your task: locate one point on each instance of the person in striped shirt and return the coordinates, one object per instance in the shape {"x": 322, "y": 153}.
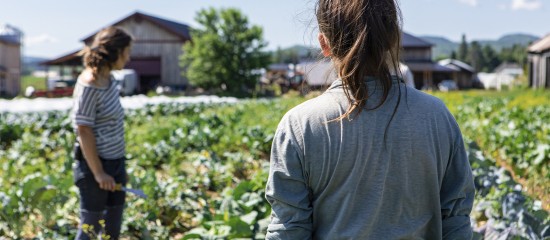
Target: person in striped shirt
{"x": 98, "y": 119}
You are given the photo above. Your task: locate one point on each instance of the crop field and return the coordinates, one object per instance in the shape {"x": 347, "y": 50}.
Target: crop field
{"x": 204, "y": 168}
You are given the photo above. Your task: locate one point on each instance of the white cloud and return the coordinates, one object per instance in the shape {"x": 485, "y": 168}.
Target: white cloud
{"x": 526, "y": 4}
{"x": 36, "y": 40}
{"x": 472, "y": 3}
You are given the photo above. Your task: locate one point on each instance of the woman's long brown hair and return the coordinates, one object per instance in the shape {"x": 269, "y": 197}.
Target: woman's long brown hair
{"x": 364, "y": 38}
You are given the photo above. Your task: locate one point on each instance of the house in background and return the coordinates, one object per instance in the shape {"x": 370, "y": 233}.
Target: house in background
{"x": 10, "y": 61}
{"x": 509, "y": 70}
{"x": 317, "y": 74}
{"x": 416, "y": 65}
{"x": 155, "y": 51}
{"x": 504, "y": 75}
{"x": 306, "y": 75}
{"x": 417, "y": 55}
{"x": 464, "y": 75}
{"x": 539, "y": 63}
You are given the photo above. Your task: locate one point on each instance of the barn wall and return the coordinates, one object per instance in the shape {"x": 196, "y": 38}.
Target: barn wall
{"x": 417, "y": 54}
{"x": 545, "y": 71}
{"x": 539, "y": 67}
{"x": 153, "y": 41}
{"x": 11, "y": 60}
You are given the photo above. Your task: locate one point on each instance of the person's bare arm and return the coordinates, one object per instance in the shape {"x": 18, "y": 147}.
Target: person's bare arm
{"x": 88, "y": 145}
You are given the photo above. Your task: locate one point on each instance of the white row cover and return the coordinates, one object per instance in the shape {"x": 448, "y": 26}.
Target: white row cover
{"x": 130, "y": 102}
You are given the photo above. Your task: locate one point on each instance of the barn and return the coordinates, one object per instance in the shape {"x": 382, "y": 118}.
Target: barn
{"x": 155, "y": 53}
{"x": 464, "y": 74}
{"x": 539, "y": 63}
{"x": 417, "y": 55}
{"x": 10, "y": 61}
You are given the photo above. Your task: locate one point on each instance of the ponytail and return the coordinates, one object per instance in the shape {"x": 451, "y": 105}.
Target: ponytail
{"x": 364, "y": 38}
{"x": 105, "y": 50}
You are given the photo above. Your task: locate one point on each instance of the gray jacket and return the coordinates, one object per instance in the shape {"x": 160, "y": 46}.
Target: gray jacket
{"x": 370, "y": 178}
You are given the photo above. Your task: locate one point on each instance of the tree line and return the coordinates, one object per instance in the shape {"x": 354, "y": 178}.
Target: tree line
{"x": 484, "y": 58}
{"x": 227, "y": 52}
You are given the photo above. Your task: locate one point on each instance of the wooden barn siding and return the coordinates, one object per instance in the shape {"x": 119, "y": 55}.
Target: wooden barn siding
{"x": 2, "y": 46}
{"x": 170, "y": 64}
{"x": 417, "y": 54}
{"x": 145, "y": 30}
{"x": 539, "y": 69}
{"x": 540, "y": 72}
{"x": 165, "y": 45}
{"x": 11, "y": 59}
{"x": 543, "y": 69}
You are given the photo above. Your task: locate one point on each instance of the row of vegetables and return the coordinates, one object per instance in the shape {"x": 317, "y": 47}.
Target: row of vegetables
{"x": 514, "y": 130}
{"x": 204, "y": 168}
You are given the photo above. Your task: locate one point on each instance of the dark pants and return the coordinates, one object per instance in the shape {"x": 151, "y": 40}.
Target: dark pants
{"x": 97, "y": 204}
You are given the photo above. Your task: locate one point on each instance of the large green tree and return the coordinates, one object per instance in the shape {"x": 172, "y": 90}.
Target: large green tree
{"x": 491, "y": 59}
{"x": 517, "y": 53}
{"x": 475, "y": 56}
{"x": 224, "y": 53}
{"x": 463, "y": 50}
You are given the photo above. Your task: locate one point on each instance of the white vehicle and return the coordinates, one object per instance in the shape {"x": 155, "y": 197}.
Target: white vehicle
{"x": 128, "y": 81}
{"x": 447, "y": 85}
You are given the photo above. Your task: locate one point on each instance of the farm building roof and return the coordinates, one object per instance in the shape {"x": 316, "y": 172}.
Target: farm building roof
{"x": 179, "y": 29}
{"x": 542, "y": 45}
{"x": 72, "y": 58}
{"x": 507, "y": 66}
{"x": 410, "y": 41}
{"x": 457, "y": 65}
{"x": 428, "y": 66}
{"x": 9, "y": 39}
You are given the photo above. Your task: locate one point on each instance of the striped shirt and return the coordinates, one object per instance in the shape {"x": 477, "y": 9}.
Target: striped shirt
{"x": 100, "y": 109}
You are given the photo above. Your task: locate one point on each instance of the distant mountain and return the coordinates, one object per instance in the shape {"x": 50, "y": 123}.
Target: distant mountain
{"x": 519, "y": 38}
{"x": 31, "y": 64}
{"x": 303, "y": 50}
{"x": 295, "y": 53}
{"x": 509, "y": 41}
{"x": 30, "y": 59}
{"x": 443, "y": 46}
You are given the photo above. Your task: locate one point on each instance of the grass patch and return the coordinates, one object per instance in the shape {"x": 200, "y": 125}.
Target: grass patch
{"x": 39, "y": 83}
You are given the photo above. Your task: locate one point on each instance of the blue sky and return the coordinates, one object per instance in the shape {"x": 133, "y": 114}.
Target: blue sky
{"x": 53, "y": 28}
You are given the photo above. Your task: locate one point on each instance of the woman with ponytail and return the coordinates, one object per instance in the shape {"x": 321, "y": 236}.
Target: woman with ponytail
{"x": 370, "y": 158}
{"x": 98, "y": 120}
